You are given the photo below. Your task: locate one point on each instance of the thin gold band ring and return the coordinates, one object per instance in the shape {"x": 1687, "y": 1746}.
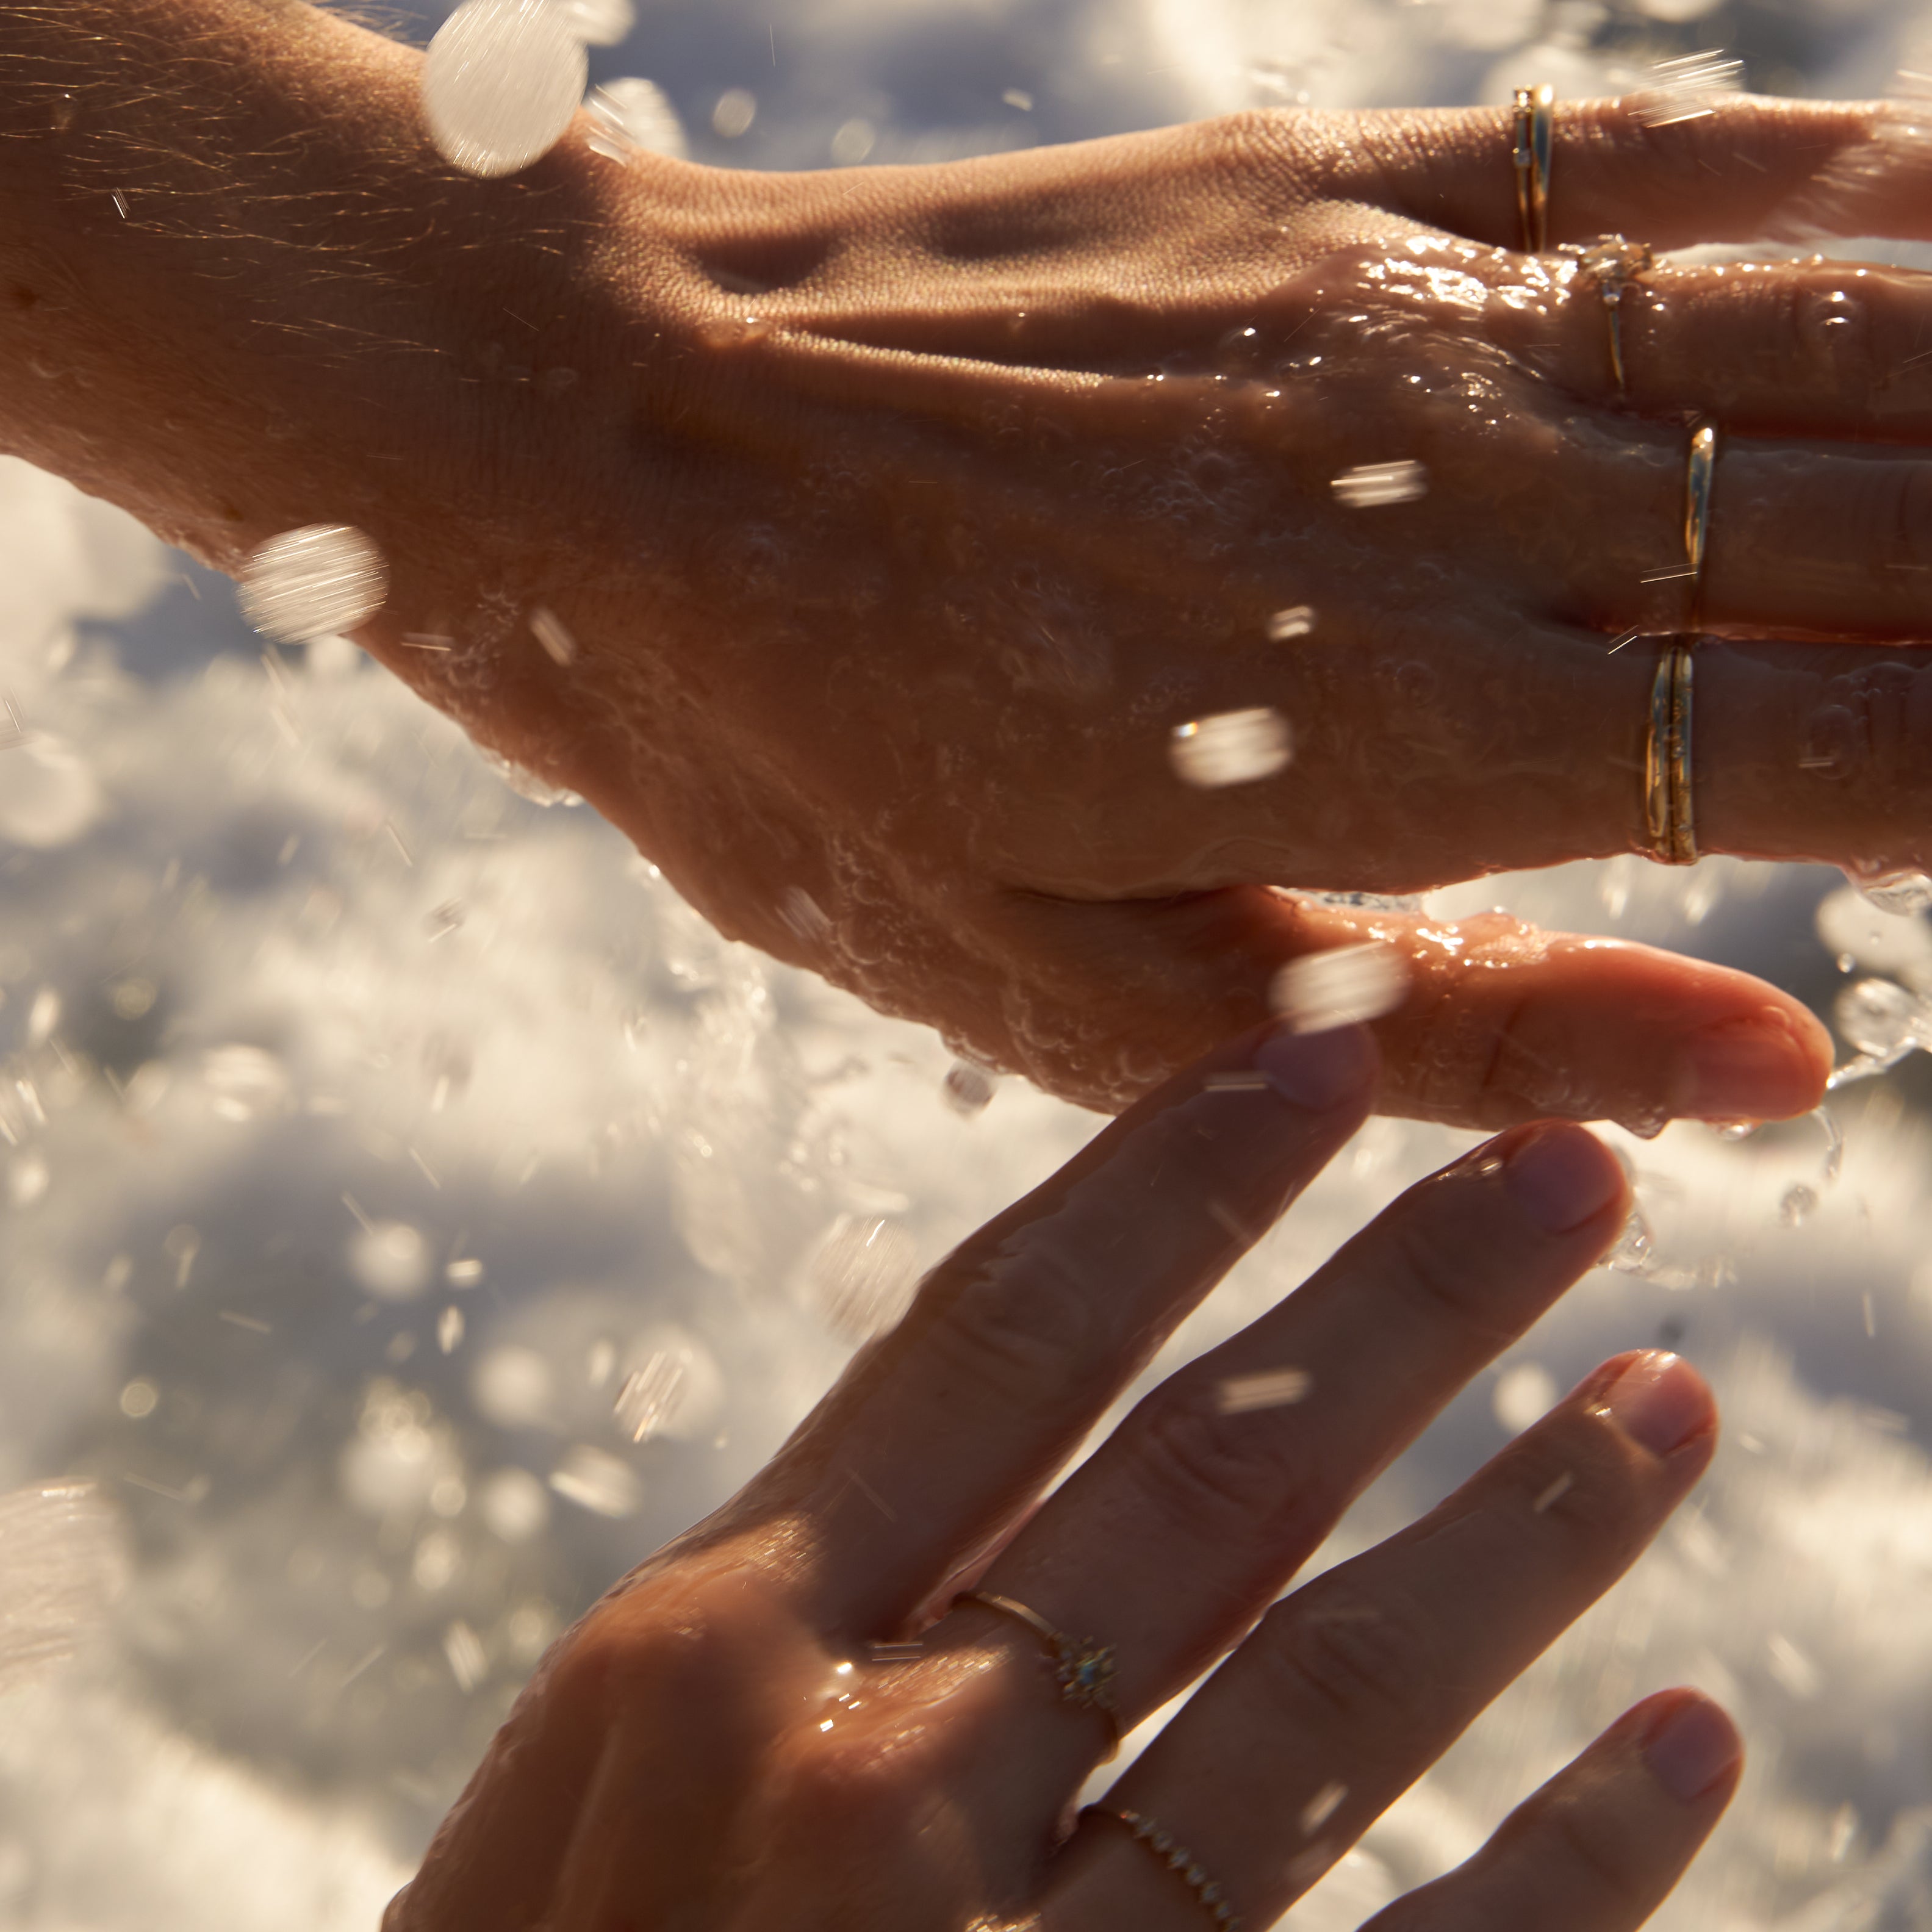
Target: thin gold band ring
{"x": 1530, "y": 154}
{"x": 1083, "y": 1668}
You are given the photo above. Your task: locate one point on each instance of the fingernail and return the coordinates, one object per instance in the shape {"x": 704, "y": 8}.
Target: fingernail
{"x": 1560, "y": 1176}
{"x": 1317, "y": 1070}
{"x": 1747, "y": 1070}
{"x": 1660, "y": 1402}
{"x": 1693, "y": 1747}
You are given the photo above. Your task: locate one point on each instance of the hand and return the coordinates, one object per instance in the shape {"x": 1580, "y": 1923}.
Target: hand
{"x": 723, "y": 1743}
{"x": 899, "y": 516}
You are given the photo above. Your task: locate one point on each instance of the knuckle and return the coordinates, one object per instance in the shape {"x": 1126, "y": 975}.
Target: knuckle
{"x": 1219, "y": 1472}
{"x": 1355, "y": 1662}
{"x": 1021, "y": 1319}
{"x": 1440, "y": 1272}
{"x": 1583, "y": 1838}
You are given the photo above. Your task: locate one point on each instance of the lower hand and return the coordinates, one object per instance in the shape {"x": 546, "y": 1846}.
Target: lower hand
{"x": 765, "y": 1729}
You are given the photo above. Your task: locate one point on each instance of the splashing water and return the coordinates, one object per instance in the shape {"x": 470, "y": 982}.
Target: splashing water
{"x": 1689, "y": 87}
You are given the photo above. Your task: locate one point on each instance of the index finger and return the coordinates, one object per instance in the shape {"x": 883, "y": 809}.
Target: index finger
{"x": 1746, "y": 167}
{"x": 933, "y": 1446}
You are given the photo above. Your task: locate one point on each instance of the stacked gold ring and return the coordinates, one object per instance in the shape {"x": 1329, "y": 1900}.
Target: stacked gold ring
{"x": 1535, "y": 122}
{"x": 1669, "y": 803}
{"x": 1179, "y": 1860}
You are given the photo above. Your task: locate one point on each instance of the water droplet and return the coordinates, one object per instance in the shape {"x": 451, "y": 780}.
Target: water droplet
{"x": 737, "y": 108}
{"x": 1297, "y": 621}
{"x": 1686, "y": 89}
{"x": 1371, "y": 485}
{"x": 968, "y": 1089}
{"x": 500, "y": 83}
{"x": 632, "y": 116}
{"x": 854, "y": 140}
{"x": 1524, "y": 1394}
{"x": 314, "y": 582}
{"x": 863, "y": 1275}
{"x": 1877, "y": 1017}
{"x": 600, "y": 23}
{"x": 1344, "y": 986}
{"x": 651, "y": 1395}
{"x": 1902, "y": 892}
{"x": 597, "y": 1482}
{"x": 1231, "y": 747}
{"x": 1797, "y": 1205}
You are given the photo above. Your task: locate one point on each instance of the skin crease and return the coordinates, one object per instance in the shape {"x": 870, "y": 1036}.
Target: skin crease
{"x": 898, "y": 516}
{"x": 718, "y": 1747}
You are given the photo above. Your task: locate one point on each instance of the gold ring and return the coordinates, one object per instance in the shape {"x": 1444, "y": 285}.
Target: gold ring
{"x": 1181, "y": 1862}
{"x": 1614, "y": 263}
{"x": 1082, "y": 1667}
{"x": 1530, "y": 155}
{"x": 1697, "y": 476}
{"x": 1669, "y": 810}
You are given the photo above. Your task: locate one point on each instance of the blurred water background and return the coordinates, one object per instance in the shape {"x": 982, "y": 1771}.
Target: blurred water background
{"x": 381, "y": 1152}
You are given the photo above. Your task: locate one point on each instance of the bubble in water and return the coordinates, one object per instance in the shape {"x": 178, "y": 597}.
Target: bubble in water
{"x": 1901, "y": 893}
{"x": 1524, "y": 1394}
{"x": 632, "y": 116}
{"x": 1295, "y": 621}
{"x": 737, "y": 108}
{"x": 1231, "y": 747}
{"x": 500, "y": 83}
{"x": 600, "y": 23}
{"x": 1343, "y": 986}
{"x": 390, "y": 1259}
{"x": 863, "y": 1276}
{"x": 1877, "y": 1017}
{"x": 599, "y": 1482}
{"x": 968, "y": 1089}
{"x": 63, "y": 1566}
{"x": 315, "y": 582}
{"x": 1370, "y": 486}
{"x": 1686, "y": 89}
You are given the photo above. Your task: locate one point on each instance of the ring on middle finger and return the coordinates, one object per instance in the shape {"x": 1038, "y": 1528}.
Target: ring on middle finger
{"x": 1082, "y": 1668}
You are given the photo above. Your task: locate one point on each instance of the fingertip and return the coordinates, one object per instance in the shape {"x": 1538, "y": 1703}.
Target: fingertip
{"x": 1658, "y": 1400}
{"x": 1768, "y": 1065}
{"x": 1689, "y": 1746}
{"x": 1320, "y": 1072}
{"x": 1563, "y": 1177}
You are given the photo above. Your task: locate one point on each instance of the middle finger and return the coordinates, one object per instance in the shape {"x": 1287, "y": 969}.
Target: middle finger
{"x": 1235, "y": 1468}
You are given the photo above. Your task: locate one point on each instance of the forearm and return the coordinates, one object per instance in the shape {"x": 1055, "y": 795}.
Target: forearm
{"x": 240, "y": 290}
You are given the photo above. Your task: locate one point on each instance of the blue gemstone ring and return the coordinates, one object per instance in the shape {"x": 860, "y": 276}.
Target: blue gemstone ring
{"x": 1082, "y": 1668}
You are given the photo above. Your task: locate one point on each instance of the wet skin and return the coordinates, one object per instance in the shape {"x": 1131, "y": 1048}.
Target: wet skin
{"x": 783, "y": 1722}
{"x": 899, "y": 515}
